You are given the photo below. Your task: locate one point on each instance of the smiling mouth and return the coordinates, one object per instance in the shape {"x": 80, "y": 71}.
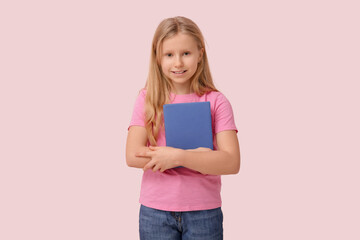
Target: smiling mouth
{"x": 179, "y": 72}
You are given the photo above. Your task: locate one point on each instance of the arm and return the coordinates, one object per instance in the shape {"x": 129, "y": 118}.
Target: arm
{"x": 136, "y": 141}
{"x": 226, "y": 160}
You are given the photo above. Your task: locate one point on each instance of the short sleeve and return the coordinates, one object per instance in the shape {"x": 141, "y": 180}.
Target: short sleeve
{"x": 223, "y": 116}
{"x": 138, "y": 115}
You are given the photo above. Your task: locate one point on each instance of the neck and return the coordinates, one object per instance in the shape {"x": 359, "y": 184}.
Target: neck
{"x": 180, "y": 90}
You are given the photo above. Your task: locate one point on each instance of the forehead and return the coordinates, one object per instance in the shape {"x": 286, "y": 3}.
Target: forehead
{"x": 179, "y": 42}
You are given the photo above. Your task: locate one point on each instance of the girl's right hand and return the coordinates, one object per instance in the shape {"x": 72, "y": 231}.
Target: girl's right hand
{"x": 199, "y": 149}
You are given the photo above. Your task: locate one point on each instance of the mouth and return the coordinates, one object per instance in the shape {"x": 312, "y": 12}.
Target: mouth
{"x": 179, "y": 72}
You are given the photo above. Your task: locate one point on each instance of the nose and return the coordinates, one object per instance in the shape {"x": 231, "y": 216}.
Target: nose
{"x": 178, "y": 62}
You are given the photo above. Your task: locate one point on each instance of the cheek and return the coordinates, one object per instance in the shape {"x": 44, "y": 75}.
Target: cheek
{"x": 164, "y": 65}
{"x": 192, "y": 62}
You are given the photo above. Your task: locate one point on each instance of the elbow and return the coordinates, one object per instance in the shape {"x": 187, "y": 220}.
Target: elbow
{"x": 236, "y": 167}
{"x": 130, "y": 159}
{"x": 233, "y": 162}
{"x": 233, "y": 165}
{"x": 237, "y": 170}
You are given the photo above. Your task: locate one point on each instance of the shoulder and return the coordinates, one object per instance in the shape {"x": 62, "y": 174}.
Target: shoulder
{"x": 142, "y": 92}
{"x": 217, "y": 98}
{"x": 222, "y": 113}
{"x": 140, "y": 97}
{"x": 216, "y": 95}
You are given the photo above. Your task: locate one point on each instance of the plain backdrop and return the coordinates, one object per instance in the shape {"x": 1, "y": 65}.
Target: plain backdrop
{"x": 70, "y": 72}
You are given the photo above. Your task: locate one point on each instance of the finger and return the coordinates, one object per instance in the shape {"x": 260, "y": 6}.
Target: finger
{"x": 153, "y": 148}
{"x": 191, "y": 150}
{"x": 143, "y": 154}
{"x": 156, "y": 168}
{"x": 205, "y": 149}
{"x": 194, "y": 150}
{"x": 149, "y": 165}
{"x": 140, "y": 154}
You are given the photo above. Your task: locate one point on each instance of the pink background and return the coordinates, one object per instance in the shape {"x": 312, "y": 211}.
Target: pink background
{"x": 70, "y": 72}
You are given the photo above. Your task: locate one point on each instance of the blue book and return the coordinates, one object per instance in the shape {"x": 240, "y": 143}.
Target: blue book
{"x": 188, "y": 125}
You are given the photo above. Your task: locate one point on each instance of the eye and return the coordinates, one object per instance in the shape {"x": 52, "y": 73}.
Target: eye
{"x": 187, "y": 53}
{"x": 168, "y": 54}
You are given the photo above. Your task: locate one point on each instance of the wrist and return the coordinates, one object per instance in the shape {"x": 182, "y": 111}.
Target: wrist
{"x": 180, "y": 157}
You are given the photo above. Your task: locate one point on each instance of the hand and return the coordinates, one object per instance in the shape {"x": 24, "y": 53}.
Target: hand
{"x": 200, "y": 149}
{"x": 162, "y": 158}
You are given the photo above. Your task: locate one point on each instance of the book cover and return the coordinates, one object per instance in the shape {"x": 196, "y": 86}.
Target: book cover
{"x": 188, "y": 125}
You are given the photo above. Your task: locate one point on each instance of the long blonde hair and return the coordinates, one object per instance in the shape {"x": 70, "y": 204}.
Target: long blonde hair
{"x": 158, "y": 86}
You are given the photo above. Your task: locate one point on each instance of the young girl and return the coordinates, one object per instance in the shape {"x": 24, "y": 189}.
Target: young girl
{"x": 180, "y": 203}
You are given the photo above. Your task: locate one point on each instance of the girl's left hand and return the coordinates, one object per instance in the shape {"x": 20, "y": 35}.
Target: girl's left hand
{"x": 162, "y": 158}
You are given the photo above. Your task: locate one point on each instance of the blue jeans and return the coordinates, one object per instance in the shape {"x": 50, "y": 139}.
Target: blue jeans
{"x": 195, "y": 225}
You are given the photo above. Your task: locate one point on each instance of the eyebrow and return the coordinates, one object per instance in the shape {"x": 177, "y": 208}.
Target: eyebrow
{"x": 183, "y": 50}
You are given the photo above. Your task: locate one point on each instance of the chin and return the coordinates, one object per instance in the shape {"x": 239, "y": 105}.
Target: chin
{"x": 180, "y": 82}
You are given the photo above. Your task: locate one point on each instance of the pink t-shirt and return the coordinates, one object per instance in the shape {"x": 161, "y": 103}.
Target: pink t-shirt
{"x": 183, "y": 189}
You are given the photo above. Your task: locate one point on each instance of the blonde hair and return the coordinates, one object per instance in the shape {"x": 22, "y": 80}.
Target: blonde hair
{"x": 158, "y": 86}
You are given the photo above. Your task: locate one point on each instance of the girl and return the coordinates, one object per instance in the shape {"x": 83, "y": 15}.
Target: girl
{"x": 180, "y": 203}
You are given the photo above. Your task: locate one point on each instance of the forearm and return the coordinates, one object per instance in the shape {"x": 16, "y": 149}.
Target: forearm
{"x": 211, "y": 162}
{"x": 136, "y": 162}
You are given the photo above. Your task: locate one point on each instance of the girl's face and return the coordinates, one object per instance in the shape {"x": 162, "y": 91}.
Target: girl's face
{"x": 179, "y": 60}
